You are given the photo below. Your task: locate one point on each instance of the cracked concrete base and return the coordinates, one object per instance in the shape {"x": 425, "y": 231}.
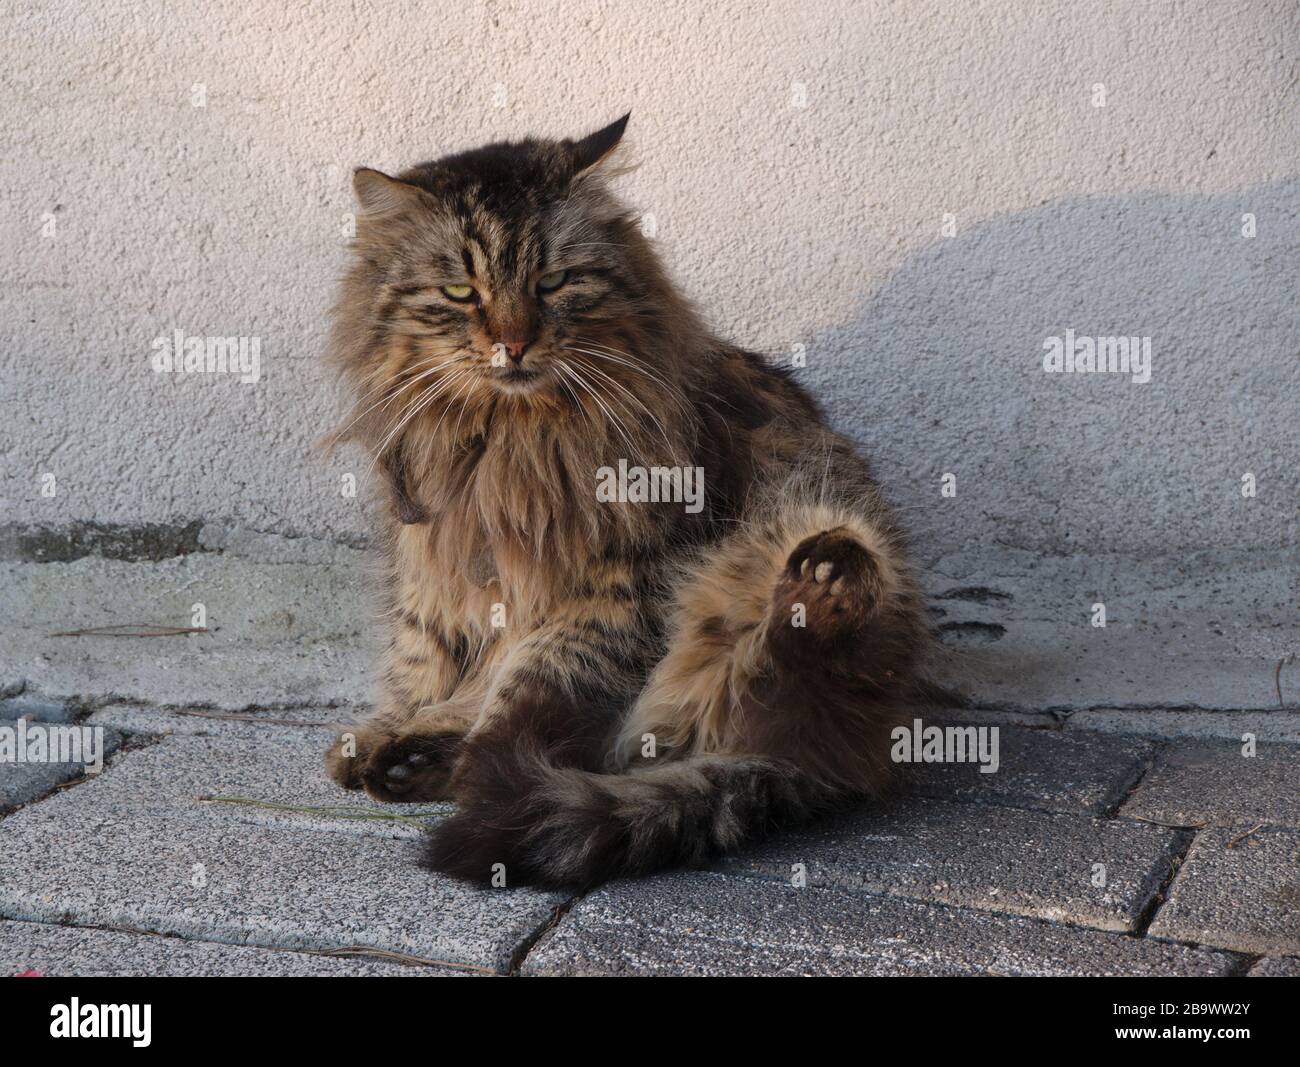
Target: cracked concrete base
{"x": 291, "y": 623}
{"x": 1203, "y": 630}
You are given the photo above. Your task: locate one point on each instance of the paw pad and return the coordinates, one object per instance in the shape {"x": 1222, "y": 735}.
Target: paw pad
{"x": 412, "y": 768}
{"x": 834, "y": 578}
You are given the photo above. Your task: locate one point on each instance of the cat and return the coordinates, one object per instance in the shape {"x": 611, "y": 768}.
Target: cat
{"x": 605, "y": 686}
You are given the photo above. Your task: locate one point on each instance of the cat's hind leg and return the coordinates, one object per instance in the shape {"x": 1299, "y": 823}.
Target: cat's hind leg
{"x": 796, "y": 637}
{"x": 742, "y": 728}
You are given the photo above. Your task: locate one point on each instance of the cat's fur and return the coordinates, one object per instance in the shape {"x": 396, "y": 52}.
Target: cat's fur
{"x": 605, "y": 688}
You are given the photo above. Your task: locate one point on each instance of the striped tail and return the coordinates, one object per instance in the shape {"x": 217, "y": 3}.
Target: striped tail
{"x": 561, "y": 826}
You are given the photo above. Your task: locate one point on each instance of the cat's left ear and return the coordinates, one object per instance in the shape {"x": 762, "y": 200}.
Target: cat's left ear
{"x": 596, "y": 147}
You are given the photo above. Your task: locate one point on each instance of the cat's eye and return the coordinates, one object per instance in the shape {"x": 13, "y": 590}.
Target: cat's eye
{"x": 460, "y": 293}
{"x": 548, "y": 283}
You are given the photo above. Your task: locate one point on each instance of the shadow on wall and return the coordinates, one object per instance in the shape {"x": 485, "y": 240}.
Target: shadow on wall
{"x": 943, "y": 372}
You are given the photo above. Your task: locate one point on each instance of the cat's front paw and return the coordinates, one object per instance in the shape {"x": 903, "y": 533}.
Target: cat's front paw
{"x": 412, "y": 767}
{"x": 348, "y": 755}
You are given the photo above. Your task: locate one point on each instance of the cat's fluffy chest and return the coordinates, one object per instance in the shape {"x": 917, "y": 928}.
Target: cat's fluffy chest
{"x": 456, "y": 577}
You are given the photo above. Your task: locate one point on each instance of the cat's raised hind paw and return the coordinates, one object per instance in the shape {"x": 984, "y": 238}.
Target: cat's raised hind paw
{"x": 830, "y": 587}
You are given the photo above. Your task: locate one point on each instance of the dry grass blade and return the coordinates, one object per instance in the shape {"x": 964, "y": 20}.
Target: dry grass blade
{"x": 235, "y": 716}
{"x": 327, "y": 810}
{"x": 1242, "y": 837}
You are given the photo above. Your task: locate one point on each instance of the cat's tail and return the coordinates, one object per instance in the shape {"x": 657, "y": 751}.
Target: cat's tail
{"x": 560, "y": 826}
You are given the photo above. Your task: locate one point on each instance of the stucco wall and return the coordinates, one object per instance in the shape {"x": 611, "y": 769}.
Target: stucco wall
{"x": 919, "y": 194}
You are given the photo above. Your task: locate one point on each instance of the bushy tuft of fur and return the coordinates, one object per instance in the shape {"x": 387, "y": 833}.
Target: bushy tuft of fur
{"x": 561, "y": 826}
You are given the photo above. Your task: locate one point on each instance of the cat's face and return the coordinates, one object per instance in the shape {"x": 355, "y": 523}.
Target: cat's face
{"x": 507, "y": 269}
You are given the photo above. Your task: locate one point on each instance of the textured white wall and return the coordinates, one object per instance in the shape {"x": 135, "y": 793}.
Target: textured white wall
{"x": 819, "y": 225}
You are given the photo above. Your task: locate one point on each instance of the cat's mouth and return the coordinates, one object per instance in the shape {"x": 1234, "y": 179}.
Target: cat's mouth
{"x": 517, "y": 379}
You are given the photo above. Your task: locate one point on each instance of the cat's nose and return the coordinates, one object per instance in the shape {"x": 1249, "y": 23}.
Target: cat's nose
{"x": 515, "y": 347}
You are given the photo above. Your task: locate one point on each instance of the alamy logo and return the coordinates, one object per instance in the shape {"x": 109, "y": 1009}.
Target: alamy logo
{"x": 179, "y": 354}
{"x": 651, "y": 485}
{"x": 29, "y": 742}
{"x": 75, "y": 1019}
{"x": 919, "y": 743}
{"x": 1079, "y": 354}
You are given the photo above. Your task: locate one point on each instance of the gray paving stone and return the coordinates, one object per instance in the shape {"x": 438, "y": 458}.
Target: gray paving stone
{"x": 1275, "y": 968}
{"x": 288, "y": 626}
{"x": 1281, "y": 725}
{"x": 242, "y": 884}
{"x": 263, "y": 778}
{"x": 144, "y": 719}
{"x": 73, "y": 951}
{"x": 1042, "y": 769}
{"x": 976, "y": 855}
{"x": 1211, "y": 784}
{"x": 1244, "y": 897}
{"x": 34, "y": 706}
{"x": 711, "y": 924}
{"x": 21, "y": 783}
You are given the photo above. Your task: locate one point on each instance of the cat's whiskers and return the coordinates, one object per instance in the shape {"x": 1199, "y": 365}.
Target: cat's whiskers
{"x": 464, "y": 404}
{"x": 589, "y": 244}
{"x": 677, "y": 403}
{"x": 615, "y": 421}
{"x": 569, "y": 389}
{"x": 401, "y": 387}
{"x": 469, "y": 380}
{"x": 673, "y": 392}
{"x": 615, "y": 355}
{"x": 420, "y": 405}
{"x": 663, "y": 432}
{"x": 383, "y": 381}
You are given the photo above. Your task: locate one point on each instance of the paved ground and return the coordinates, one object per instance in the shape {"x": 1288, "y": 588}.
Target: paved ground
{"x": 1127, "y": 830}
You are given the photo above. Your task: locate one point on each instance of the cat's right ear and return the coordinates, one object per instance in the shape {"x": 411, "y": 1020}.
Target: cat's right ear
{"x": 591, "y": 151}
{"x": 380, "y": 196}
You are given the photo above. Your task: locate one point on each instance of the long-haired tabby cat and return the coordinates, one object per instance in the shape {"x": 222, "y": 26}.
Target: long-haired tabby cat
{"x": 606, "y": 686}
